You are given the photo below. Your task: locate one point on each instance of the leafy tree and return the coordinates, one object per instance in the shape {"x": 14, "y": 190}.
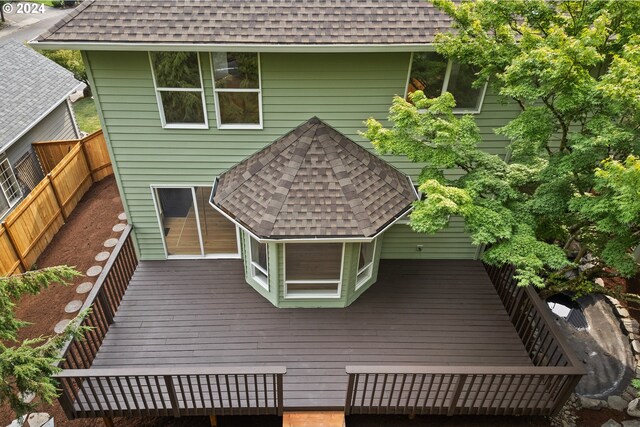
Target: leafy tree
{"x": 27, "y": 366}
{"x": 567, "y": 190}
{"x": 72, "y": 61}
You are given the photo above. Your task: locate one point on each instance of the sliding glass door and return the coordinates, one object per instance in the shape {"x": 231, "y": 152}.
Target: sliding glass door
{"x": 191, "y": 227}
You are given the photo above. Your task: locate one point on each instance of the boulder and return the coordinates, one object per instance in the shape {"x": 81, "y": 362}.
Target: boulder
{"x": 40, "y": 419}
{"x": 633, "y": 408}
{"x": 611, "y": 423}
{"x": 631, "y": 423}
{"x": 617, "y": 403}
{"x": 599, "y": 281}
{"x": 592, "y": 404}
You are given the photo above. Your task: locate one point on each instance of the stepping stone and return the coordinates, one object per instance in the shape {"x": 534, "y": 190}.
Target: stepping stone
{"x": 109, "y": 243}
{"x": 73, "y": 306}
{"x": 94, "y": 271}
{"x": 102, "y": 256}
{"x": 27, "y": 397}
{"x": 59, "y": 328}
{"x": 83, "y": 288}
{"x": 40, "y": 419}
{"x": 119, "y": 227}
{"x": 122, "y": 216}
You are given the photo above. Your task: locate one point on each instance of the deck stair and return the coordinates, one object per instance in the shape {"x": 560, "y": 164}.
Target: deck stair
{"x": 313, "y": 419}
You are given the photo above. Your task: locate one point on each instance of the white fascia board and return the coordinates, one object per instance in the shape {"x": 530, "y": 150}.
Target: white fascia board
{"x": 39, "y": 119}
{"x": 235, "y": 47}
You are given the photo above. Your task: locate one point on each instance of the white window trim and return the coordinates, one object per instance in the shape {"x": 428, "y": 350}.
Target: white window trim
{"x": 4, "y": 191}
{"x": 319, "y": 295}
{"x": 368, "y": 267}
{"x": 255, "y": 266}
{"x": 217, "y": 102}
{"x": 445, "y": 86}
{"x": 192, "y": 187}
{"x": 157, "y": 91}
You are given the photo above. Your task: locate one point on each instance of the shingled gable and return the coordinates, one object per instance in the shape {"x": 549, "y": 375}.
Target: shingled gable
{"x": 251, "y": 22}
{"x": 313, "y": 182}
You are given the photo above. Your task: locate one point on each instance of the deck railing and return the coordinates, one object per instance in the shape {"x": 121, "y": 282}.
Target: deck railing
{"x": 103, "y": 300}
{"x": 86, "y": 392}
{"x": 541, "y": 389}
{"x": 172, "y": 391}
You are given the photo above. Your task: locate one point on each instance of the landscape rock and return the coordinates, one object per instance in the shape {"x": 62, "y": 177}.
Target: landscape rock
{"x": 593, "y": 404}
{"x": 617, "y": 403}
{"x": 40, "y": 419}
{"x": 633, "y": 409}
{"x": 611, "y": 423}
{"x": 631, "y": 423}
{"x": 636, "y": 346}
{"x": 599, "y": 281}
{"x": 623, "y": 312}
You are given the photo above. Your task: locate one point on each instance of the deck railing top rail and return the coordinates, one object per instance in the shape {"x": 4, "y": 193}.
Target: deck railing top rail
{"x": 465, "y": 370}
{"x": 173, "y": 370}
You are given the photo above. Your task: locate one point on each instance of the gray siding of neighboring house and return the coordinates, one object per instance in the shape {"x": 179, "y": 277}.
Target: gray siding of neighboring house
{"x": 57, "y": 125}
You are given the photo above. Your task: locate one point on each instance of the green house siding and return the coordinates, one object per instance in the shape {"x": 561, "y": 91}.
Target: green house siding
{"x": 341, "y": 89}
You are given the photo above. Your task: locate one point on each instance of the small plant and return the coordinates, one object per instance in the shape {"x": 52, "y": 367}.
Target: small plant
{"x": 635, "y": 383}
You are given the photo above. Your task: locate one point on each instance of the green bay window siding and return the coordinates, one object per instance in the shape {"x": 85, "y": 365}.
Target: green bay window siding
{"x": 342, "y": 89}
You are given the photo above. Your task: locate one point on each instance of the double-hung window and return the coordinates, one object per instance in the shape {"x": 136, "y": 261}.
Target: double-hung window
{"x": 259, "y": 263}
{"x": 9, "y": 184}
{"x": 237, "y": 90}
{"x": 434, "y": 75}
{"x": 179, "y": 90}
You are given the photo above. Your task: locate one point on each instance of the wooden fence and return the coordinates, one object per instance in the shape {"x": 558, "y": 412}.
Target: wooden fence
{"x": 71, "y": 167}
{"x": 172, "y": 391}
{"x": 540, "y": 389}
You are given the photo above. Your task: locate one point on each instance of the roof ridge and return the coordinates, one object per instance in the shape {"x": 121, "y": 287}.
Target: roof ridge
{"x": 276, "y": 204}
{"x": 359, "y": 212}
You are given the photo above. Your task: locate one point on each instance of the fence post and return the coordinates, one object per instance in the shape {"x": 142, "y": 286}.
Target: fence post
{"x": 13, "y": 246}
{"x": 12, "y": 239}
{"x": 86, "y": 158}
{"x": 57, "y": 197}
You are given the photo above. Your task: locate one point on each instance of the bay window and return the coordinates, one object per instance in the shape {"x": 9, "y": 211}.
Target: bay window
{"x": 259, "y": 262}
{"x": 313, "y": 270}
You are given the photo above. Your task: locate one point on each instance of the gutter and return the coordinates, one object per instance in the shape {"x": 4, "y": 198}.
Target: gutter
{"x": 226, "y": 47}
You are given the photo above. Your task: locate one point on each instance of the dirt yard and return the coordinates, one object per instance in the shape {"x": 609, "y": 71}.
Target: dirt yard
{"x": 77, "y": 243}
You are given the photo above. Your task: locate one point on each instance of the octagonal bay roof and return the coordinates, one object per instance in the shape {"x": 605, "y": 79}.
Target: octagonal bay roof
{"x": 313, "y": 182}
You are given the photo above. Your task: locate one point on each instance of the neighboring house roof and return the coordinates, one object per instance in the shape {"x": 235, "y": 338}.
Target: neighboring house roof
{"x": 314, "y": 182}
{"x": 31, "y": 87}
{"x": 246, "y": 22}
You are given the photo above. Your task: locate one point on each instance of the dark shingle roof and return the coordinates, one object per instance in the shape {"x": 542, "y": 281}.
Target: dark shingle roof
{"x": 314, "y": 182}
{"x": 30, "y": 85}
{"x": 273, "y": 22}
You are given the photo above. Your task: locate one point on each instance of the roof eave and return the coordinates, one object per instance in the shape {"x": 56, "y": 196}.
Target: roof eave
{"x": 6, "y": 146}
{"x": 328, "y": 239}
{"x": 227, "y": 47}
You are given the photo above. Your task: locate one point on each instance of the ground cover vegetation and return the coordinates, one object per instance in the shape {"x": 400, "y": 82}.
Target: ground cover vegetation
{"x": 568, "y": 193}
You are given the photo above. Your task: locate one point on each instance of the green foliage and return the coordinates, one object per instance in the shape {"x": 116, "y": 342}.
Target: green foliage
{"x": 72, "y": 61}
{"x": 86, "y": 115}
{"x": 572, "y": 177}
{"x": 635, "y": 383}
{"x": 27, "y": 366}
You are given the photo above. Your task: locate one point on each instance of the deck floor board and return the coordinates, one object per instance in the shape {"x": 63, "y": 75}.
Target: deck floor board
{"x": 201, "y": 312}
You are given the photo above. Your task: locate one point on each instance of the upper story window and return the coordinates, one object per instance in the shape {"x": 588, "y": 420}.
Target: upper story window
{"x": 237, "y": 90}
{"x": 178, "y": 82}
{"x": 434, "y": 75}
{"x": 9, "y": 184}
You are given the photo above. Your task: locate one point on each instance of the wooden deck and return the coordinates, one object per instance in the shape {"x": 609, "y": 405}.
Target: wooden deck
{"x": 184, "y": 313}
